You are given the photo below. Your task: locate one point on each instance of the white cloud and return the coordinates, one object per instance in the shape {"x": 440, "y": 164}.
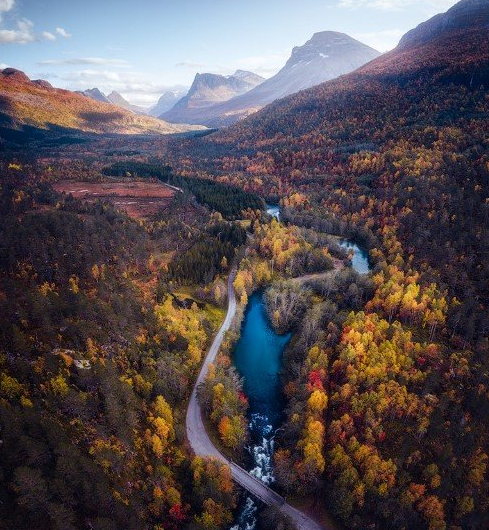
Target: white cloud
{"x": 92, "y": 76}
{"x": 23, "y": 32}
{"x": 3, "y": 66}
{"x": 48, "y": 36}
{"x": 381, "y": 40}
{"x": 97, "y": 61}
{"x": 63, "y": 33}
{"x": 22, "y": 35}
{"x": 397, "y": 5}
{"x": 5, "y": 6}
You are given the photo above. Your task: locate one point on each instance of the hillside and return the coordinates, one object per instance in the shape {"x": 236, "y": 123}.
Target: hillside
{"x": 456, "y": 55}
{"x": 208, "y": 90}
{"x": 415, "y": 99}
{"x": 37, "y": 104}
{"x": 327, "y": 55}
{"x": 111, "y": 342}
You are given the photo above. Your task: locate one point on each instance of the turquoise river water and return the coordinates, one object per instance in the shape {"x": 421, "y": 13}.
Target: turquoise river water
{"x": 257, "y": 357}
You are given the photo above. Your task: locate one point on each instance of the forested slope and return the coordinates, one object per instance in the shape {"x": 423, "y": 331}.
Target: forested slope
{"x": 97, "y": 357}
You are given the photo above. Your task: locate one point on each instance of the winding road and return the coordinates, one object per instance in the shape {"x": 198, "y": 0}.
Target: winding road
{"x": 203, "y": 446}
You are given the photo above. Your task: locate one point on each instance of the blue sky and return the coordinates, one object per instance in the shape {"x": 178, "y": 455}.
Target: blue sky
{"x": 141, "y": 48}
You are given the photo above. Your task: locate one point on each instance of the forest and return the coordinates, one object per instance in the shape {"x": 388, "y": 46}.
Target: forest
{"x": 385, "y": 378}
{"x": 230, "y": 201}
{"x": 87, "y": 338}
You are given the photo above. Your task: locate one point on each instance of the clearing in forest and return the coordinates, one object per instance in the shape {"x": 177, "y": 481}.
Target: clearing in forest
{"x": 138, "y": 199}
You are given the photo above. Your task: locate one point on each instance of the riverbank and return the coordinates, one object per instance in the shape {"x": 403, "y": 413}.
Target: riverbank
{"x": 279, "y": 257}
{"x": 202, "y": 445}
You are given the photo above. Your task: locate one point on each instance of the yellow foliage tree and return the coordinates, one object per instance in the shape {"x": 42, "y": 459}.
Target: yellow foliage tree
{"x": 317, "y": 402}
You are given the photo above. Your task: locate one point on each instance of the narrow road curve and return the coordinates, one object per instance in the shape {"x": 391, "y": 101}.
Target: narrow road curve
{"x": 203, "y": 446}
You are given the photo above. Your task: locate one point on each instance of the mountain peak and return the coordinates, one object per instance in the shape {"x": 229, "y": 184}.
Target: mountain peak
{"x": 96, "y": 94}
{"x": 209, "y": 89}
{"x": 13, "y": 73}
{"x": 167, "y": 100}
{"x": 328, "y": 54}
{"x": 329, "y": 45}
{"x": 328, "y": 36}
{"x": 115, "y": 98}
{"x": 43, "y": 83}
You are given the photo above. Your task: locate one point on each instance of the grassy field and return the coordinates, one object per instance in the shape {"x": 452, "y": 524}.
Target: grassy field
{"x": 213, "y": 313}
{"x": 139, "y": 199}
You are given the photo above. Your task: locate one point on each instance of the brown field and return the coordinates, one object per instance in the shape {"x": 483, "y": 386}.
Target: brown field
{"x": 138, "y": 199}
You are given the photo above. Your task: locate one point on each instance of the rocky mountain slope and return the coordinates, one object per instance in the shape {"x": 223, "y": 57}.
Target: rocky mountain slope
{"x": 457, "y": 52}
{"x": 207, "y": 90}
{"x": 167, "y": 101}
{"x": 95, "y": 94}
{"x": 116, "y": 99}
{"x": 325, "y": 56}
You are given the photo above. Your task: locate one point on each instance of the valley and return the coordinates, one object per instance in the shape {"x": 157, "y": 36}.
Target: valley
{"x": 254, "y": 301}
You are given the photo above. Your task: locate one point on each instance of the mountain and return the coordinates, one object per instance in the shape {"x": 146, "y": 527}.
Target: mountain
{"x": 95, "y": 94}
{"x": 37, "y": 104}
{"x": 116, "y": 99}
{"x": 168, "y": 101}
{"x": 207, "y": 90}
{"x": 462, "y": 16}
{"x": 325, "y": 56}
{"x": 452, "y": 47}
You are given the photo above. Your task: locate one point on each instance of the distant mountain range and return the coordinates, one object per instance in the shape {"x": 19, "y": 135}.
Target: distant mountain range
{"x": 325, "y": 56}
{"x": 168, "y": 100}
{"x": 26, "y": 103}
{"x": 114, "y": 98}
{"x": 216, "y": 100}
{"x": 208, "y": 90}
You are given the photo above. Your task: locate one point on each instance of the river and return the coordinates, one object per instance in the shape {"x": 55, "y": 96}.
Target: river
{"x": 360, "y": 256}
{"x": 273, "y": 210}
{"x": 258, "y": 359}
